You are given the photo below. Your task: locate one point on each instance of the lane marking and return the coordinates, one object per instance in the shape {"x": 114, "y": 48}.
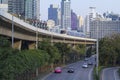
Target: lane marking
{"x": 90, "y": 73}
{"x": 114, "y": 72}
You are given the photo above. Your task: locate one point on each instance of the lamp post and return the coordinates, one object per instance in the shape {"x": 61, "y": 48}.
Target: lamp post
{"x": 36, "y": 34}
{"x": 85, "y": 44}
{"x": 12, "y": 31}
{"x": 97, "y": 46}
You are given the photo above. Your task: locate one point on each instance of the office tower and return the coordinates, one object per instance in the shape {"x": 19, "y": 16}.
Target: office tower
{"x": 92, "y": 13}
{"x": 29, "y": 9}
{"x": 4, "y": 5}
{"x": 103, "y": 28}
{"x": 37, "y": 7}
{"x": 113, "y": 16}
{"x": 59, "y": 17}
{"x": 66, "y": 15}
{"x": 3, "y": 1}
{"x": 53, "y": 13}
{"x": 32, "y": 9}
{"x": 16, "y": 7}
{"x": 86, "y": 28}
{"x": 74, "y": 21}
{"x": 80, "y": 23}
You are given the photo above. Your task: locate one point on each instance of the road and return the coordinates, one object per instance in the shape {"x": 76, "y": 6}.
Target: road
{"x": 79, "y": 74}
{"x": 110, "y": 74}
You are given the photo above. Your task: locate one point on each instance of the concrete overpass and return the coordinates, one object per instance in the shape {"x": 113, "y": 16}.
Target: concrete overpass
{"x": 26, "y": 32}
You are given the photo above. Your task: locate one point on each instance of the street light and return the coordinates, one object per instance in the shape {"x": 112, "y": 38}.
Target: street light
{"x": 85, "y": 44}
{"x": 97, "y": 46}
{"x": 12, "y": 31}
{"x": 36, "y": 34}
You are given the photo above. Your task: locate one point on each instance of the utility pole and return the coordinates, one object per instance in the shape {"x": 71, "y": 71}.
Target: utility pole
{"x": 36, "y": 22}
{"x": 97, "y": 47}
{"x": 12, "y": 30}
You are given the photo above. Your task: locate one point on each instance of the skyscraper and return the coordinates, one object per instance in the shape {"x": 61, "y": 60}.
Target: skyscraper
{"x": 3, "y": 1}
{"x": 92, "y": 13}
{"x": 74, "y": 21}
{"x": 4, "y": 5}
{"x": 30, "y": 9}
{"x": 80, "y": 23}
{"x": 53, "y": 13}
{"x": 66, "y": 15}
{"x": 16, "y": 7}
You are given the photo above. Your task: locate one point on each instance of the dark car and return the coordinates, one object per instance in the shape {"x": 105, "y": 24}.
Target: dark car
{"x": 70, "y": 70}
{"x": 90, "y": 63}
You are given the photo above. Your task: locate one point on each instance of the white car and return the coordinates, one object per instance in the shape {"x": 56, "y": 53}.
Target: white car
{"x": 85, "y": 65}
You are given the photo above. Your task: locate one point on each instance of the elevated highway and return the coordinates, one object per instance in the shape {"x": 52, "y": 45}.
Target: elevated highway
{"x": 26, "y": 32}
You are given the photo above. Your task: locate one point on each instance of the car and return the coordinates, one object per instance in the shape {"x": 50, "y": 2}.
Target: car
{"x": 90, "y": 63}
{"x": 58, "y": 70}
{"x": 86, "y": 59}
{"x": 85, "y": 65}
{"x": 70, "y": 70}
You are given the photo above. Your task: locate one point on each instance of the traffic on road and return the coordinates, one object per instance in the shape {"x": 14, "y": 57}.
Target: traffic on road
{"x": 75, "y": 71}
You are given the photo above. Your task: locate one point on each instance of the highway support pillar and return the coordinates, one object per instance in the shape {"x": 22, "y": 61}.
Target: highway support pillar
{"x": 17, "y": 44}
{"x": 32, "y": 45}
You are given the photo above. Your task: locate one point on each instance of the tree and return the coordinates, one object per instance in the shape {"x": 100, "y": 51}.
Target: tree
{"x": 50, "y": 49}
{"x": 109, "y": 50}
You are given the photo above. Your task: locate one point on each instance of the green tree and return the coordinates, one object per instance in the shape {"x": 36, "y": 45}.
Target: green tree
{"x": 109, "y": 50}
{"x": 50, "y": 49}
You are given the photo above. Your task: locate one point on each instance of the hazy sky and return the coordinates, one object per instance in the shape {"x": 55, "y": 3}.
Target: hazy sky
{"x": 81, "y": 7}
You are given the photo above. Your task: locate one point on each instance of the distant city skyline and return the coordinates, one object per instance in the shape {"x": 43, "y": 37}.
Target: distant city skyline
{"x": 81, "y": 7}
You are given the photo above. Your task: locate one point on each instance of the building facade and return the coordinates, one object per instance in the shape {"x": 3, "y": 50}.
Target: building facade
{"x": 16, "y": 7}
{"x": 4, "y": 7}
{"x": 80, "y": 23}
{"x": 100, "y": 29}
{"x": 29, "y": 9}
{"x": 53, "y": 13}
{"x": 74, "y": 21}
{"x": 3, "y": 1}
{"x": 66, "y": 15}
{"x": 32, "y": 9}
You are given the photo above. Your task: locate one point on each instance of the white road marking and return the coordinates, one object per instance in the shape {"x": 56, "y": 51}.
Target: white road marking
{"x": 90, "y": 72}
{"x": 115, "y": 75}
{"x": 115, "y": 71}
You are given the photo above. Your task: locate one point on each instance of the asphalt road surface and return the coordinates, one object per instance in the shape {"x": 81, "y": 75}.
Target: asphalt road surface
{"x": 79, "y": 72}
{"x": 110, "y": 74}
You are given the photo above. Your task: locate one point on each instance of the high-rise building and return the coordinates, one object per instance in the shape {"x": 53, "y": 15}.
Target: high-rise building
{"x": 92, "y": 13}
{"x": 113, "y": 16}
{"x": 66, "y": 15}
{"x": 3, "y": 1}
{"x": 32, "y": 9}
{"x": 100, "y": 29}
{"x": 74, "y": 21}
{"x": 53, "y": 13}
{"x": 80, "y": 23}
{"x": 16, "y": 7}
{"x": 29, "y": 9}
{"x": 59, "y": 17}
{"x": 86, "y": 28}
{"x": 4, "y": 5}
